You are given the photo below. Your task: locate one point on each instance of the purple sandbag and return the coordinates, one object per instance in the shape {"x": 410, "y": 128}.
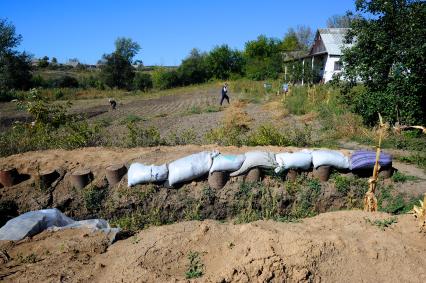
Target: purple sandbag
{"x": 364, "y": 159}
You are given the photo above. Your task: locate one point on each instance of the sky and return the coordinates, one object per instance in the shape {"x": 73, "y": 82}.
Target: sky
{"x": 166, "y": 30}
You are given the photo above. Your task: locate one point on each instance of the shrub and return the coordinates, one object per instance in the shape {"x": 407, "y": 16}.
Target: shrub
{"x": 142, "y": 81}
{"x": 143, "y": 137}
{"x": 164, "y": 79}
{"x": 93, "y": 197}
{"x": 65, "y": 82}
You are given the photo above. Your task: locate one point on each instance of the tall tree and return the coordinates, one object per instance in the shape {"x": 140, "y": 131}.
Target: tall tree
{"x": 222, "y": 61}
{"x": 15, "y": 68}
{"x": 117, "y": 70}
{"x": 389, "y": 56}
{"x": 127, "y": 48}
{"x": 304, "y": 35}
{"x": 341, "y": 21}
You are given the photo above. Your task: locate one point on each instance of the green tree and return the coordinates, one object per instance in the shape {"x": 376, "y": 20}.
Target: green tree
{"x": 142, "y": 81}
{"x": 223, "y": 61}
{"x": 164, "y": 78}
{"x": 193, "y": 68}
{"x": 290, "y": 42}
{"x": 15, "y": 67}
{"x": 43, "y": 62}
{"x": 263, "y": 58}
{"x": 388, "y": 55}
{"x": 117, "y": 69}
{"x": 127, "y": 48}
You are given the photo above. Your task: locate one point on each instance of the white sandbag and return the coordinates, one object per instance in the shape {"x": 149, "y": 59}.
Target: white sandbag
{"x": 256, "y": 159}
{"x": 297, "y": 160}
{"x": 139, "y": 173}
{"x": 190, "y": 167}
{"x": 224, "y": 162}
{"x": 34, "y": 222}
{"x": 330, "y": 158}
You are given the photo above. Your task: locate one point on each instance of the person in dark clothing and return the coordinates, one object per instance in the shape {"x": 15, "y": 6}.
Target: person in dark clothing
{"x": 224, "y": 94}
{"x": 112, "y": 103}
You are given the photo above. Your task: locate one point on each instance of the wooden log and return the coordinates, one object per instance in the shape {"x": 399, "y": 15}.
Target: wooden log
{"x": 386, "y": 172}
{"x": 8, "y": 177}
{"x": 292, "y": 175}
{"x": 81, "y": 178}
{"x": 322, "y": 173}
{"x": 217, "y": 180}
{"x": 253, "y": 175}
{"x": 47, "y": 177}
{"x": 114, "y": 173}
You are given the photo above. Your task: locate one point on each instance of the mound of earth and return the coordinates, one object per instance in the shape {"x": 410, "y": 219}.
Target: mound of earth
{"x": 331, "y": 247}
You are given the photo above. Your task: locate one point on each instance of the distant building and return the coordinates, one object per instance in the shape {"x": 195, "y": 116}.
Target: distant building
{"x": 73, "y": 62}
{"x": 325, "y": 53}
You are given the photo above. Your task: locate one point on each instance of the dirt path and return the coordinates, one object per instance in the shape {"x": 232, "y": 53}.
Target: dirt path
{"x": 332, "y": 247}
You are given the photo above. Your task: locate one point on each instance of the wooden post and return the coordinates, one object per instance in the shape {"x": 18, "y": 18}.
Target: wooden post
{"x": 303, "y": 69}
{"x": 81, "y": 178}
{"x": 8, "y": 176}
{"x": 114, "y": 173}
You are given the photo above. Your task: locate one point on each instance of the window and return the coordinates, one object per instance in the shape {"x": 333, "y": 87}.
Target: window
{"x": 337, "y": 66}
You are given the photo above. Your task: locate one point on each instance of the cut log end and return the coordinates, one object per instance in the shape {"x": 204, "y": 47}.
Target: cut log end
{"x": 322, "y": 173}
{"x": 81, "y": 178}
{"x": 114, "y": 173}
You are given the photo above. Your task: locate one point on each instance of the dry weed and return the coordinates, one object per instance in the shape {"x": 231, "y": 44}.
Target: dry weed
{"x": 277, "y": 109}
{"x": 236, "y": 116}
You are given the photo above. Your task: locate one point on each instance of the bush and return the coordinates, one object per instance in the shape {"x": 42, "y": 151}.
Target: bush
{"x": 65, "y": 82}
{"x": 164, "y": 79}
{"x": 142, "y": 81}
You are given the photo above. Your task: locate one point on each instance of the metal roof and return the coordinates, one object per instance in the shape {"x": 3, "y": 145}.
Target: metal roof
{"x": 333, "y": 39}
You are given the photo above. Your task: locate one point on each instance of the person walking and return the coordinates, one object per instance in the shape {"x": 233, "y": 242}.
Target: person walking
{"x": 224, "y": 94}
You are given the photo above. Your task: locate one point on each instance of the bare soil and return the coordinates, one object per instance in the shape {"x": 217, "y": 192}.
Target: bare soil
{"x": 332, "y": 247}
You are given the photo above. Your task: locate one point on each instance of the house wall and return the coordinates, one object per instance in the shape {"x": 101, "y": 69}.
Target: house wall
{"x": 329, "y": 68}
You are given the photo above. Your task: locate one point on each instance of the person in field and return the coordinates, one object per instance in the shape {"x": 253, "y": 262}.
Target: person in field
{"x": 224, "y": 94}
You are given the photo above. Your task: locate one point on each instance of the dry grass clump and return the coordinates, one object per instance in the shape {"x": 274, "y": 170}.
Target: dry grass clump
{"x": 277, "y": 109}
{"x": 235, "y": 116}
{"x": 420, "y": 214}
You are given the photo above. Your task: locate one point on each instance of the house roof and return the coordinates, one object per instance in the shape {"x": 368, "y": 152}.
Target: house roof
{"x": 333, "y": 39}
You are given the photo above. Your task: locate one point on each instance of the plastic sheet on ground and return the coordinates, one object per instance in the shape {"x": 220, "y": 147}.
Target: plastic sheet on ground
{"x": 34, "y": 222}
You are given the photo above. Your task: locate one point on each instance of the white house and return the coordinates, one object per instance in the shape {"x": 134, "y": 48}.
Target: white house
{"x": 325, "y": 53}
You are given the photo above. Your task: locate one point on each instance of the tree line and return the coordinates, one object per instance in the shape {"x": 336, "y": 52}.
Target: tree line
{"x": 387, "y": 57}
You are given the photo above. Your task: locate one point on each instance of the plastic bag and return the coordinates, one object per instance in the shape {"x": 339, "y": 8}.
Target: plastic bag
{"x": 190, "y": 167}
{"x": 140, "y": 173}
{"x": 329, "y": 158}
{"x": 224, "y": 162}
{"x": 296, "y": 160}
{"x": 256, "y": 159}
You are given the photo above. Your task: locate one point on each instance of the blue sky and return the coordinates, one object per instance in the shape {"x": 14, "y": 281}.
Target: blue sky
{"x": 166, "y": 30}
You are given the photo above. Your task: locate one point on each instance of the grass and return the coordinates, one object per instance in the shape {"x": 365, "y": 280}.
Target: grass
{"x": 390, "y": 201}
{"x": 418, "y": 159}
{"x": 31, "y": 258}
{"x": 94, "y": 197}
{"x": 195, "y": 266}
{"x": 382, "y": 223}
{"x": 399, "y": 177}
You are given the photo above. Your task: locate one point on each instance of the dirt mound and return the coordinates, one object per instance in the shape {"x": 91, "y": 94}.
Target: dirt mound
{"x": 332, "y": 247}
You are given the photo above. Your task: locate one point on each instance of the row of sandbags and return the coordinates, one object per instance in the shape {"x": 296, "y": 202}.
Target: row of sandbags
{"x": 196, "y": 165}
{"x": 35, "y": 222}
